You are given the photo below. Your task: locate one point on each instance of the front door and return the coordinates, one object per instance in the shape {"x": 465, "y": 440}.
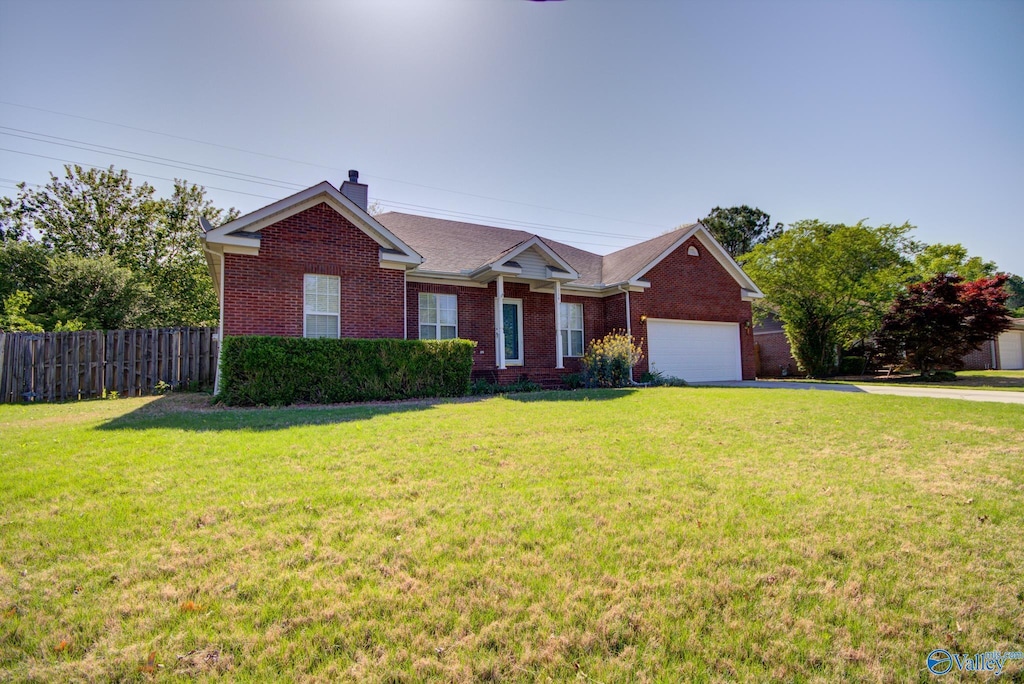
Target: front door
{"x": 512, "y": 317}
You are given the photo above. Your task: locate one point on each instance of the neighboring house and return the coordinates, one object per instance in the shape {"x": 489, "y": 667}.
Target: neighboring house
{"x": 774, "y": 358}
{"x": 1006, "y": 352}
{"x": 317, "y": 264}
{"x": 772, "y": 353}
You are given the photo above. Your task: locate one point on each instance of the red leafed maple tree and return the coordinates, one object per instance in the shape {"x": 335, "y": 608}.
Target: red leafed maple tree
{"x": 936, "y": 322}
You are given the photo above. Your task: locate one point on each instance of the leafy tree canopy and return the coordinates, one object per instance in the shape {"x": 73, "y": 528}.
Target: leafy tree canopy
{"x": 104, "y": 217}
{"x": 830, "y": 284}
{"x": 739, "y": 229}
{"x": 1015, "y": 288}
{"x": 938, "y": 321}
{"x": 942, "y": 259}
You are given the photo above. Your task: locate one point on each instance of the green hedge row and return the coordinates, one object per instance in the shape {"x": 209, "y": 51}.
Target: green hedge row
{"x": 284, "y": 370}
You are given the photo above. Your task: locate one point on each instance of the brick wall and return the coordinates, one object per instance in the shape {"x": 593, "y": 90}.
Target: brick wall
{"x": 980, "y": 359}
{"x": 695, "y": 288}
{"x": 263, "y": 294}
{"x": 475, "y": 307}
{"x": 774, "y": 358}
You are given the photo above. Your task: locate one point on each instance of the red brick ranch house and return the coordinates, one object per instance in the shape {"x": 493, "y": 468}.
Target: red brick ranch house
{"x": 316, "y": 264}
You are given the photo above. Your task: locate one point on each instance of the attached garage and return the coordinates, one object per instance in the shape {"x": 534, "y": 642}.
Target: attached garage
{"x": 1011, "y": 350}
{"x": 695, "y": 351}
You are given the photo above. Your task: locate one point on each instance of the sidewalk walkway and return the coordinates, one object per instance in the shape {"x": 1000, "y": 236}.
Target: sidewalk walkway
{"x": 930, "y": 392}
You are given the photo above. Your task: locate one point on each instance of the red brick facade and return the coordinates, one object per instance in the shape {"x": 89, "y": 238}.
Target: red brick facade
{"x": 694, "y": 288}
{"x": 774, "y": 357}
{"x": 264, "y": 295}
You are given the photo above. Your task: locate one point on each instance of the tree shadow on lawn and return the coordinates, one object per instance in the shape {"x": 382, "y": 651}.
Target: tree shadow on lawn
{"x": 196, "y": 413}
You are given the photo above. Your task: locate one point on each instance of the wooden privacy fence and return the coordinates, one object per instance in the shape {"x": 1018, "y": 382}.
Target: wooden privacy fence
{"x": 93, "y": 363}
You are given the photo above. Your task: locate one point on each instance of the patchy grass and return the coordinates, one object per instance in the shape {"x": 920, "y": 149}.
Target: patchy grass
{"x": 1012, "y": 380}
{"x": 658, "y": 535}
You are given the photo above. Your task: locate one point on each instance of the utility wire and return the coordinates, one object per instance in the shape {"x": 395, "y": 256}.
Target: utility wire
{"x": 437, "y": 211}
{"x": 272, "y": 182}
{"x": 150, "y": 161}
{"x": 134, "y": 173}
{"x": 323, "y": 166}
{"x": 498, "y": 218}
{"x": 140, "y": 154}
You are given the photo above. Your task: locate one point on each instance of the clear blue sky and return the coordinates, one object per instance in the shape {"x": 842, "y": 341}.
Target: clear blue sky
{"x": 614, "y": 120}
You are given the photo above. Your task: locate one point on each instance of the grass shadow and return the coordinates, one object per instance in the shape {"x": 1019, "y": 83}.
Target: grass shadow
{"x": 573, "y": 395}
{"x": 196, "y": 413}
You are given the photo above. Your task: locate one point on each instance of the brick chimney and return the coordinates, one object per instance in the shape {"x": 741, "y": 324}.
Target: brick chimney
{"x": 354, "y": 190}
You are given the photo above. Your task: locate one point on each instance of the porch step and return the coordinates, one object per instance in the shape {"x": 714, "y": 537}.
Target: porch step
{"x": 548, "y": 378}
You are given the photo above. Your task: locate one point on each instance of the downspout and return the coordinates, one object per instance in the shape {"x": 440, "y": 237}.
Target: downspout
{"x": 405, "y": 304}
{"x": 220, "y": 329}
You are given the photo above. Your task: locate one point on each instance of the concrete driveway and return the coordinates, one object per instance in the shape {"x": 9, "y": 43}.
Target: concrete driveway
{"x": 930, "y": 392}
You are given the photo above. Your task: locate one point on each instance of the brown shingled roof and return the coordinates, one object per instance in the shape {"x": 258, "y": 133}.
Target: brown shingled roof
{"x": 456, "y": 247}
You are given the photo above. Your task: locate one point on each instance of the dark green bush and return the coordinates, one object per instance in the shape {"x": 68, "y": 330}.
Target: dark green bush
{"x": 573, "y": 380}
{"x": 852, "y": 365}
{"x": 283, "y": 370}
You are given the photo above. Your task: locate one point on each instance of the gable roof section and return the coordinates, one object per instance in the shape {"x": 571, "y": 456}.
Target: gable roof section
{"x": 244, "y": 231}
{"x": 681, "y": 235}
{"x": 556, "y": 264}
{"x": 455, "y": 247}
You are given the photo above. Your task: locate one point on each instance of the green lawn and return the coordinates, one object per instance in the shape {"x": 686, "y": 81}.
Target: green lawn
{"x": 638, "y": 535}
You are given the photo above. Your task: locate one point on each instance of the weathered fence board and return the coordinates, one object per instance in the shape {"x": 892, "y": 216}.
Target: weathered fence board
{"x": 91, "y": 363}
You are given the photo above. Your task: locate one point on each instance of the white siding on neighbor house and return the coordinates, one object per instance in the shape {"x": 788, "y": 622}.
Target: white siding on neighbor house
{"x": 696, "y": 351}
{"x": 533, "y": 264}
{"x": 1011, "y": 350}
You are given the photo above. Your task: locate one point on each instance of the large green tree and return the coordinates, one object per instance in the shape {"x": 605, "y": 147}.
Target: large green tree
{"x": 103, "y": 215}
{"x": 1015, "y": 288}
{"x": 830, "y": 284}
{"x": 943, "y": 259}
{"x": 739, "y": 229}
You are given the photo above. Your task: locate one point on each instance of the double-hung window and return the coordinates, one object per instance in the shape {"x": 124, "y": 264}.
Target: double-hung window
{"x": 570, "y": 327}
{"x": 439, "y": 316}
{"x": 321, "y": 306}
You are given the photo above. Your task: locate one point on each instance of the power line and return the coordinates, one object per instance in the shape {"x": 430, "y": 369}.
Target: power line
{"x": 150, "y": 161}
{"x": 141, "y": 154}
{"x": 134, "y": 173}
{"x": 443, "y": 213}
{"x": 273, "y": 182}
{"x": 323, "y": 166}
{"x": 498, "y": 218}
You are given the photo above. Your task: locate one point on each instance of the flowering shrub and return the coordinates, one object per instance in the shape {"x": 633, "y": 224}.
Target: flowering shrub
{"x": 610, "y": 360}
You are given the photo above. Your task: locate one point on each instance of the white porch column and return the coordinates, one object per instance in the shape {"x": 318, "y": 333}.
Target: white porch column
{"x": 629, "y": 325}
{"x": 558, "y": 332}
{"x": 499, "y": 322}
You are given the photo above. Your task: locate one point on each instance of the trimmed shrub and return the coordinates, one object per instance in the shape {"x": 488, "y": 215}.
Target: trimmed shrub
{"x": 609, "y": 361}
{"x": 853, "y": 365}
{"x": 282, "y": 370}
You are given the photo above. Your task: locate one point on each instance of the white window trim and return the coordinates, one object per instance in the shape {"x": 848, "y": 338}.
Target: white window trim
{"x": 306, "y": 312}
{"x": 519, "y": 315}
{"x": 437, "y": 315}
{"x": 567, "y": 351}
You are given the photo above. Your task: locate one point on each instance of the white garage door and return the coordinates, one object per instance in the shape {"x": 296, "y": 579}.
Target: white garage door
{"x": 696, "y": 351}
{"x": 1011, "y": 350}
